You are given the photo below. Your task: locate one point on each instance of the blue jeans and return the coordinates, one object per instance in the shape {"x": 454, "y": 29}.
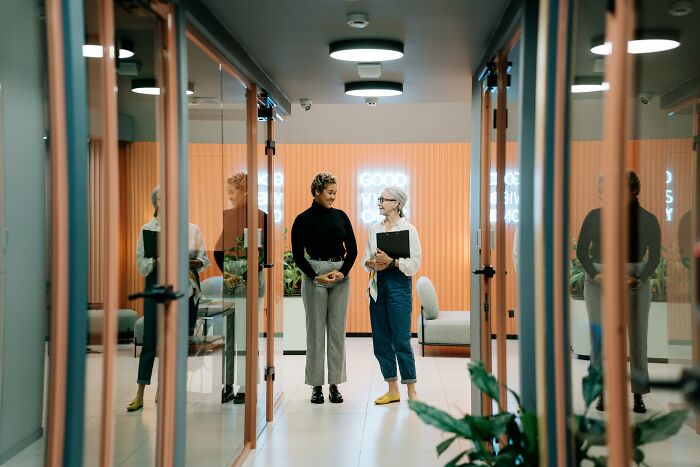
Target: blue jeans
{"x": 391, "y": 325}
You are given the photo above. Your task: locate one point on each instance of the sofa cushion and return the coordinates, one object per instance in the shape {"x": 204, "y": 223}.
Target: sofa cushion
{"x": 138, "y": 331}
{"x": 450, "y": 327}
{"x": 125, "y": 321}
{"x": 428, "y": 298}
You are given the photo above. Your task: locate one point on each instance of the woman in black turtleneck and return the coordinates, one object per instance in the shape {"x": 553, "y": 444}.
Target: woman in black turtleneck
{"x": 644, "y": 253}
{"x": 324, "y": 248}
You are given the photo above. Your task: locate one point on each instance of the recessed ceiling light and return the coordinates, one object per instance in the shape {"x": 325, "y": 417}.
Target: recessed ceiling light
{"x": 588, "y": 84}
{"x": 373, "y": 88}
{"x": 646, "y": 42}
{"x": 366, "y": 50}
{"x": 148, "y": 87}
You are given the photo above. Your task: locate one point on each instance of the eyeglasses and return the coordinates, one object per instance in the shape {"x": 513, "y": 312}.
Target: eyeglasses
{"x": 381, "y": 200}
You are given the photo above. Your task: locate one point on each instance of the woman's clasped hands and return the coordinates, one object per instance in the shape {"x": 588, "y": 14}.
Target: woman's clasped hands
{"x": 330, "y": 277}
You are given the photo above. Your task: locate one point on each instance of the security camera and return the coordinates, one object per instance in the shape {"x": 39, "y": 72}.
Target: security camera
{"x": 305, "y": 104}
{"x": 646, "y": 97}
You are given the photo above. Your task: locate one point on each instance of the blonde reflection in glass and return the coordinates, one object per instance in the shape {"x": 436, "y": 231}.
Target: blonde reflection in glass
{"x": 230, "y": 254}
{"x": 644, "y": 253}
{"x": 148, "y": 262}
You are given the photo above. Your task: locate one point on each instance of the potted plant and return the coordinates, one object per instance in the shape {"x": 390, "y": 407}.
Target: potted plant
{"x": 294, "y": 314}
{"x": 577, "y": 276}
{"x": 512, "y": 438}
{"x": 659, "y": 282}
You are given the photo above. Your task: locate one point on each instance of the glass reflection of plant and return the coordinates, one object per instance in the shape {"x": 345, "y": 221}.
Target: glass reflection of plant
{"x": 577, "y": 276}
{"x": 292, "y": 276}
{"x": 236, "y": 264}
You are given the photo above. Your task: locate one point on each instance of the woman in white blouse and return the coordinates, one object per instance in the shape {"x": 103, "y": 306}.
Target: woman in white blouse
{"x": 390, "y": 290}
{"x": 148, "y": 267}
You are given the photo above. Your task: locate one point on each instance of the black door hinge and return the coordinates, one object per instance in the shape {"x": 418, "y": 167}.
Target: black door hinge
{"x": 269, "y": 373}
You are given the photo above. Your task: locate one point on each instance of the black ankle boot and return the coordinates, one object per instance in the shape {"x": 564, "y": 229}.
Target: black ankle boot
{"x": 317, "y": 395}
{"x": 227, "y": 394}
{"x": 600, "y": 405}
{"x": 334, "y": 395}
{"x": 639, "y": 406}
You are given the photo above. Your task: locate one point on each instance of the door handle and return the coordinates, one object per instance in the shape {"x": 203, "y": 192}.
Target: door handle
{"x": 486, "y": 270}
{"x": 159, "y": 294}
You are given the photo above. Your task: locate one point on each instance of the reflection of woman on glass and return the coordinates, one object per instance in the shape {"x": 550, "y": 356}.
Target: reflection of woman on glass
{"x": 326, "y": 235}
{"x": 644, "y": 252}
{"x": 391, "y": 300}
{"x": 230, "y": 254}
{"x": 148, "y": 266}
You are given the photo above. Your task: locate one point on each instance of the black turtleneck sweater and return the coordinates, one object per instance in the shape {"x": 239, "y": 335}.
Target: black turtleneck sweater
{"x": 644, "y": 237}
{"x": 323, "y": 233}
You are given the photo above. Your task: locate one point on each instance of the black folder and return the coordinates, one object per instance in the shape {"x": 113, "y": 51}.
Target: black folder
{"x": 150, "y": 244}
{"x": 394, "y": 244}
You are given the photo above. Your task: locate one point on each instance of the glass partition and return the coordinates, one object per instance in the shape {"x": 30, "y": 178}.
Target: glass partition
{"x": 264, "y": 206}
{"x": 25, "y": 233}
{"x": 585, "y": 198}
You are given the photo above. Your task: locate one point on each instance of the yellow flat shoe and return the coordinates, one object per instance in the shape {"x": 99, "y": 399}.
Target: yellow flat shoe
{"x": 135, "y": 405}
{"x": 387, "y": 399}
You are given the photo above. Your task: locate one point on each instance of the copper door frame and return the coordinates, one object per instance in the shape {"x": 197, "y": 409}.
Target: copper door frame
{"x": 618, "y": 72}
{"x": 59, "y": 242}
{"x": 110, "y": 206}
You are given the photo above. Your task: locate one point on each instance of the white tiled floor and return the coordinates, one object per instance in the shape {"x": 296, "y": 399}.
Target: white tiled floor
{"x": 356, "y": 433}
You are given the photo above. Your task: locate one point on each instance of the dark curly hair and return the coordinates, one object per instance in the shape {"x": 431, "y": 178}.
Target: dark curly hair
{"x": 321, "y": 181}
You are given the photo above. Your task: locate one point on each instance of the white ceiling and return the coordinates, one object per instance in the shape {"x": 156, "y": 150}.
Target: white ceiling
{"x": 444, "y": 41}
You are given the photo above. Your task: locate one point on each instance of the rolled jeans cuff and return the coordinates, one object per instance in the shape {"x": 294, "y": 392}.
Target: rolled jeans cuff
{"x": 147, "y": 382}
{"x": 408, "y": 381}
{"x": 393, "y": 378}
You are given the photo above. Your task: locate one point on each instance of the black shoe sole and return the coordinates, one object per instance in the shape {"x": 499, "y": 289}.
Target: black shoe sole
{"x": 317, "y": 401}
{"x": 336, "y": 401}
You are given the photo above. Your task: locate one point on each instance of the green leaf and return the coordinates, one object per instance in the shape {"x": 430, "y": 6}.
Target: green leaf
{"x": 484, "y": 380}
{"x": 658, "y": 427}
{"x": 638, "y": 456}
{"x": 599, "y": 461}
{"x": 592, "y": 384}
{"x": 517, "y": 398}
{"x": 590, "y": 430}
{"x": 445, "y": 444}
{"x": 453, "y": 462}
{"x": 441, "y": 420}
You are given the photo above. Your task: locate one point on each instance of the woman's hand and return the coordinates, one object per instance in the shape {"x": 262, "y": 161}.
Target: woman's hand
{"x": 382, "y": 260}
{"x": 370, "y": 264}
{"x": 325, "y": 279}
{"x": 336, "y": 275}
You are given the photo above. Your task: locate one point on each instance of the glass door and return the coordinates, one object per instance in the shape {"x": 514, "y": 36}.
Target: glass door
{"x": 499, "y": 216}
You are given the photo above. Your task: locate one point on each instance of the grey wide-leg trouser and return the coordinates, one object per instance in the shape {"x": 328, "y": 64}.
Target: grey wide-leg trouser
{"x": 637, "y": 326}
{"x": 326, "y": 308}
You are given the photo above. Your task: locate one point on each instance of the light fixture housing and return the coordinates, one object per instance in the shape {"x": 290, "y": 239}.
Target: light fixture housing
{"x": 584, "y": 84}
{"x": 645, "y": 42}
{"x": 148, "y": 87}
{"x": 366, "y": 50}
{"x": 373, "y": 88}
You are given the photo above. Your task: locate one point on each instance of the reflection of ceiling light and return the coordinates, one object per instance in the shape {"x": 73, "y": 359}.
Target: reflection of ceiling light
{"x": 95, "y": 51}
{"x": 148, "y": 86}
{"x": 366, "y": 50}
{"x": 125, "y": 45}
{"x": 646, "y": 42}
{"x": 588, "y": 84}
{"x": 373, "y": 88}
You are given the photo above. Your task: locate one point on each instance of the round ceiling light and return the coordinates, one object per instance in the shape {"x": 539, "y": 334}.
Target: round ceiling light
{"x": 588, "y": 84}
{"x": 125, "y": 45}
{"x": 373, "y": 88}
{"x": 148, "y": 87}
{"x": 366, "y": 50}
{"x": 646, "y": 42}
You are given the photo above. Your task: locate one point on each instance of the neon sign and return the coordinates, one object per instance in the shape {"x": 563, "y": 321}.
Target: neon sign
{"x": 278, "y": 187}
{"x": 371, "y": 183}
{"x": 511, "y": 197}
{"x": 669, "y": 196}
